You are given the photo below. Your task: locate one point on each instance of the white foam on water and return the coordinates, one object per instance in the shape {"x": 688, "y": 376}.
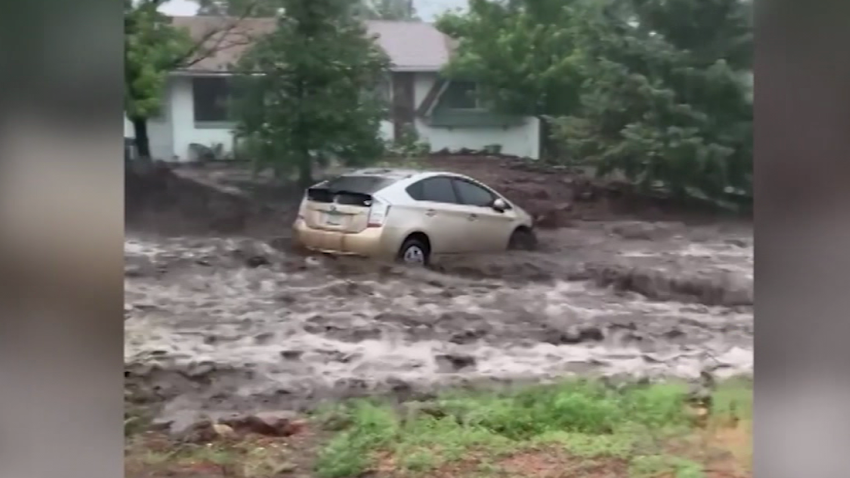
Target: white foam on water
{"x": 234, "y": 317}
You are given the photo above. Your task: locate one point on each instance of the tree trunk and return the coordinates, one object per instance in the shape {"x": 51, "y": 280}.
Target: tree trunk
{"x": 305, "y": 171}
{"x": 140, "y": 128}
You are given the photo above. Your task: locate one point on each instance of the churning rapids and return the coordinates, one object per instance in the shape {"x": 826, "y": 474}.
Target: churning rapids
{"x": 217, "y": 325}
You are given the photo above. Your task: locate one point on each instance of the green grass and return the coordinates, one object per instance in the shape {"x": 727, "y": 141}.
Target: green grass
{"x": 583, "y": 418}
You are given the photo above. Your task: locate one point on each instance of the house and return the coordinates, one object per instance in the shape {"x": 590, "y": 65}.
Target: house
{"x": 443, "y": 112}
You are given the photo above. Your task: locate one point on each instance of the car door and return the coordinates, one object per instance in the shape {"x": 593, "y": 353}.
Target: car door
{"x": 440, "y": 215}
{"x": 489, "y": 229}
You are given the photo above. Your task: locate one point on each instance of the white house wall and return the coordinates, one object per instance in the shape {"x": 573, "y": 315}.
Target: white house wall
{"x": 171, "y": 135}
{"x": 160, "y": 130}
{"x": 129, "y": 132}
{"x": 183, "y": 119}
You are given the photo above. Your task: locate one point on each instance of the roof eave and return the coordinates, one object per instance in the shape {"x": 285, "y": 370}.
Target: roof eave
{"x": 416, "y": 69}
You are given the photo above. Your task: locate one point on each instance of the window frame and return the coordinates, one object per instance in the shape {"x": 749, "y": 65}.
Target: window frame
{"x": 227, "y": 120}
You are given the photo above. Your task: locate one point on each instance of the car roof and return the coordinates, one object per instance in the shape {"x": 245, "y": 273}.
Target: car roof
{"x": 398, "y": 173}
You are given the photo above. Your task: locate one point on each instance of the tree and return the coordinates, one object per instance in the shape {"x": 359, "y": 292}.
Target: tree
{"x": 652, "y": 89}
{"x": 306, "y": 93}
{"x": 152, "y": 47}
{"x": 522, "y": 53}
{"x": 665, "y": 101}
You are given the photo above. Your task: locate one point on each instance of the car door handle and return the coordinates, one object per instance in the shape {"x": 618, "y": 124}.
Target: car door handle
{"x": 430, "y": 212}
{"x": 473, "y": 217}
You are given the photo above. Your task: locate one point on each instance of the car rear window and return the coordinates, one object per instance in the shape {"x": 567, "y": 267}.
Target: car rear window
{"x": 358, "y": 184}
{"x": 355, "y": 190}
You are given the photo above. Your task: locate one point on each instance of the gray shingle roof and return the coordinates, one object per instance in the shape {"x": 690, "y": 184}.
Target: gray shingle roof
{"x": 411, "y": 46}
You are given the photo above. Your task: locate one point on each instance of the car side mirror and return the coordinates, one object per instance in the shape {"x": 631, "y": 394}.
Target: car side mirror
{"x": 499, "y": 205}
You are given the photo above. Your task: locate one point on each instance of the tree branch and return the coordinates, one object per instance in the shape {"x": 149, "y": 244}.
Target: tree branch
{"x": 199, "y": 52}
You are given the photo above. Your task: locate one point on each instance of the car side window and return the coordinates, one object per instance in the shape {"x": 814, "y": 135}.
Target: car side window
{"x": 438, "y": 189}
{"x": 472, "y": 194}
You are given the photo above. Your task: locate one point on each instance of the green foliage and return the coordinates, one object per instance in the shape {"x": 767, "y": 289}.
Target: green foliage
{"x": 655, "y": 90}
{"x": 152, "y": 48}
{"x": 347, "y": 454}
{"x": 408, "y": 145}
{"x": 311, "y": 101}
{"x": 523, "y": 54}
{"x": 664, "y": 101}
{"x": 586, "y": 418}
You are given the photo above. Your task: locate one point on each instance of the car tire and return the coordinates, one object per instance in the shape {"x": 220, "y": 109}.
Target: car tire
{"x": 414, "y": 252}
{"x": 523, "y": 240}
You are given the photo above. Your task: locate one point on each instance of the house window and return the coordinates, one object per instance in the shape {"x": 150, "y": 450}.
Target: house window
{"x": 462, "y": 95}
{"x": 211, "y": 98}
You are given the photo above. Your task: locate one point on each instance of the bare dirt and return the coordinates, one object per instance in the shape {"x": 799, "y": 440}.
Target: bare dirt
{"x": 222, "y": 315}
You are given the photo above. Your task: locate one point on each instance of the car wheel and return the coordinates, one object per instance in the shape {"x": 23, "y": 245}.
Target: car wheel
{"x": 414, "y": 252}
{"x": 523, "y": 240}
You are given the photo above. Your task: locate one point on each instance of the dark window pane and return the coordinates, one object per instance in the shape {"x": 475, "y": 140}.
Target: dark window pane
{"x": 438, "y": 190}
{"x": 473, "y": 194}
{"x": 415, "y": 190}
{"x": 460, "y": 95}
{"x": 211, "y": 98}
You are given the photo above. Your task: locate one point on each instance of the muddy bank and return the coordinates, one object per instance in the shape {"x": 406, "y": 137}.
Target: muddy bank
{"x": 555, "y": 196}
{"x": 159, "y": 200}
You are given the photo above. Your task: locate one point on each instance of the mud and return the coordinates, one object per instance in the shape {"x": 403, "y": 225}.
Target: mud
{"x": 218, "y": 323}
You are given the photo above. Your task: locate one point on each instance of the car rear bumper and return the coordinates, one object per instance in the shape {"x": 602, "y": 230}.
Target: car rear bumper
{"x": 371, "y": 242}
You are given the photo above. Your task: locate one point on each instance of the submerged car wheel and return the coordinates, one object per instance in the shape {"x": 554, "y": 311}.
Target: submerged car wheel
{"x": 523, "y": 240}
{"x": 414, "y": 251}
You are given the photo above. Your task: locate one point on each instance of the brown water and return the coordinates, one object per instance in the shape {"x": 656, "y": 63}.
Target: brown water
{"x": 210, "y": 327}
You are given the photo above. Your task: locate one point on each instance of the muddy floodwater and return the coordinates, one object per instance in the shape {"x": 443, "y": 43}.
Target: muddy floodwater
{"x": 217, "y": 324}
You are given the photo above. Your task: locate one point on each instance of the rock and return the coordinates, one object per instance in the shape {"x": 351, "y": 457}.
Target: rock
{"x": 454, "y": 362}
{"x": 257, "y": 261}
{"x": 737, "y": 242}
{"x": 277, "y": 424}
{"x": 133, "y": 270}
{"x": 291, "y": 354}
{"x": 577, "y": 334}
{"x": 199, "y": 433}
{"x": 263, "y": 338}
{"x": 285, "y": 469}
{"x": 466, "y": 336}
{"x": 674, "y": 333}
{"x": 223, "y": 430}
{"x": 200, "y": 370}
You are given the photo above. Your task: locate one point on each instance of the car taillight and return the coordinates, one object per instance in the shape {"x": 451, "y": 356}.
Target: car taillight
{"x": 378, "y": 213}
{"x": 302, "y": 208}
